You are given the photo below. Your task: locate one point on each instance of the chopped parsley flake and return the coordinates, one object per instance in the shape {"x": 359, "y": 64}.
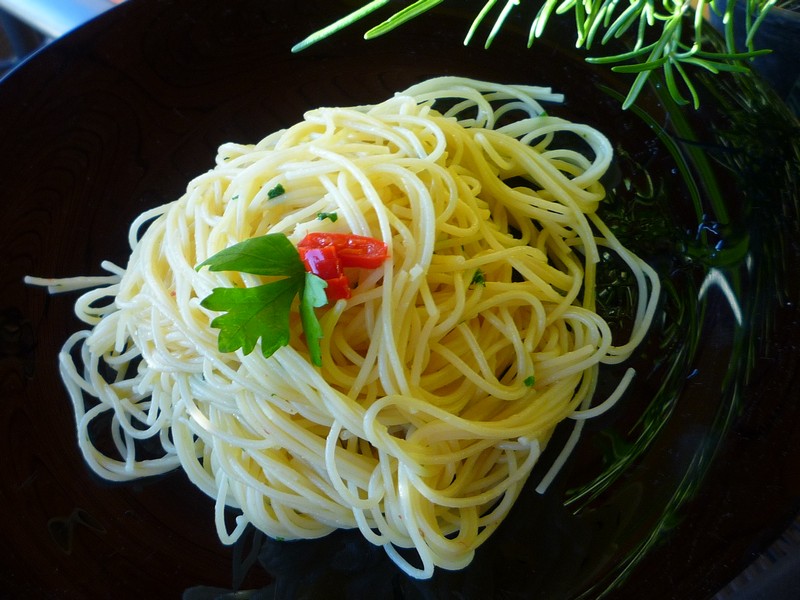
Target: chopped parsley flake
{"x": 276, "y": 191}
{"x": 327, "y": 215}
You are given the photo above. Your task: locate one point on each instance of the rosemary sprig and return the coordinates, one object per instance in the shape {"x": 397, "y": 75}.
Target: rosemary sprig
{"x": 669, "y": 34}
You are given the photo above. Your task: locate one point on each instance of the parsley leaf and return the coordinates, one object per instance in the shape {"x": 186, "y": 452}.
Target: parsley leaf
{"x": 313, "y": 296}
{"x": 253, "y": 313}
{"x": 263, "y": 311}
{"x": 271, "y": 254}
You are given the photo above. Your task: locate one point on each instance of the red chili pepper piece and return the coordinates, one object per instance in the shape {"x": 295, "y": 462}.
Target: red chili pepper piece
{"x": 323, "y": 262}
{"x": 326, "y": 254}
{"x": 353, "y": 250}
{"x": 338, "y": 288}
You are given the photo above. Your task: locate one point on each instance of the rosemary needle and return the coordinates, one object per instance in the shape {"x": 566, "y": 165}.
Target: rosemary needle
{"x": 667, "y": 35}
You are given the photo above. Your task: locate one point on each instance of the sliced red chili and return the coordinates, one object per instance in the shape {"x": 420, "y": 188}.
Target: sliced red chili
{"x": 338, "y": 288}
{"x": 326, "y": 254}
{"x": 321, "y": 261}
{"x": 357, "y": 251}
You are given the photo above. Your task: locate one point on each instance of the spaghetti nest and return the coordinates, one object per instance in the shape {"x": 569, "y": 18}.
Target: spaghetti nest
{"x": 442, "y": 377}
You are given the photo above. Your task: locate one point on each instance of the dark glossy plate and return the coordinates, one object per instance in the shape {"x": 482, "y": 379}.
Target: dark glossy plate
{"x": 668, "y": 496}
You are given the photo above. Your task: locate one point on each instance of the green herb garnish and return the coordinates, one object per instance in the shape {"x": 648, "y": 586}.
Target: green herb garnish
{"x": 327, "y": 215}
{"x": 276, "y": 191}
{"x": 668, "y": 34}
{"x": 529, "y": 380}
{"x": 262, "y": 312}
{"x": 478, "y": 278}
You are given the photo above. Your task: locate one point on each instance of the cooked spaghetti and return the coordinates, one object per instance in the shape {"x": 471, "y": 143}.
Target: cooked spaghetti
{"x": 442, "y": 376}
